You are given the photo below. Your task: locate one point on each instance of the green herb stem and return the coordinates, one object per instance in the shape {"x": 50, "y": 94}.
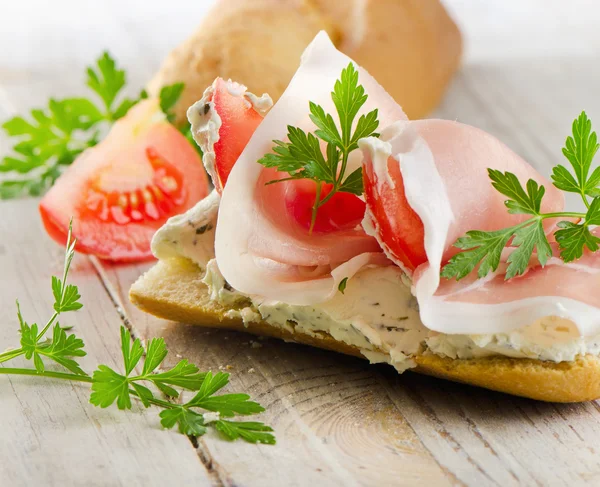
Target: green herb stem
{"x": 74, "y": 378}
{"x": 46, "y": 373}
{"x": 49, "y": 323}
{"x": 156, "y": 402}
{"x": 316, "y": 206}
{"x": 10, "y": 354}
{"x": 563, "y": 214}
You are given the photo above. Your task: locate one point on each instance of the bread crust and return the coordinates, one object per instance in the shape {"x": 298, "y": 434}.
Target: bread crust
{"x": 174, "y": 290}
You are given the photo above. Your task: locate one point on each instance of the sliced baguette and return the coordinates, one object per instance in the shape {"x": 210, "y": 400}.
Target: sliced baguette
{"x": 174, "y": 290}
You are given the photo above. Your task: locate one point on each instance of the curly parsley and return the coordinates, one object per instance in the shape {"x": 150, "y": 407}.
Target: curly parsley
{"x": 302, "y": 158}
{"x": 484, "y": 249}
{"x": 120, "y": 387}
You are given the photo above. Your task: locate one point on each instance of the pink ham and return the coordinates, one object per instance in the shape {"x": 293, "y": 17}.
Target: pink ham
{"x": 260, "y": 248}
{"x": 472, "y": 305}
{"x": 444, "y": 170}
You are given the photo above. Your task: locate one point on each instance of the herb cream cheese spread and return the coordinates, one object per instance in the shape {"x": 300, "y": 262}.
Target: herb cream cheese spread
{"x": 376, "y": 312}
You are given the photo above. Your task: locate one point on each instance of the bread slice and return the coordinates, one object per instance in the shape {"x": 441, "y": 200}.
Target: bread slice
{"x": 174, "y": 290}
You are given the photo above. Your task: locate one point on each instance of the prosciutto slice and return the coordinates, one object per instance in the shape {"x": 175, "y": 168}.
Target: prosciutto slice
{"x": 260, "y": 249}
{"x": 444, "y": 171}
{"x": 569, "y": 291}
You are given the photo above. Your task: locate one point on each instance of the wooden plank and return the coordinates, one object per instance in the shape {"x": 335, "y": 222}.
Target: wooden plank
{"x": 334, "y": 422}
{"x": 485, "y": 437}
{"x": 51, "y": 435}
{"x": 479, "y": 437}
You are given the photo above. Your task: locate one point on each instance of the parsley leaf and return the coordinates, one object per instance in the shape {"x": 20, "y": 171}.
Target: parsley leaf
{"x": 107, "y": 81}
{"x": 184, "y": 374}
{"x": 348, "y": 97}
{"x": 168, "y": 97}
{"x": 188, "y": 422}
{"x": 67, "y": 297}
{"x": 62, "y": 348}
{"x": 302, "y": 157}
{"x": 353, "y": 183}
{"x": 132, "y": 352}
{"x": 53, "y": 137}
{"x": 250, "y": 431}
{"x": 521, "y": 201}
{"x": 108, "y": 387}
{"x": 484, "y": 249}
{"x": 480, "y": 248}
{"x": 580, "y": 149}
{"x": 327, "y": 130}
{"x": 572, "y": 237}
{"x": 227, "y": 404}
{"x": 342, "y": 285}
{"x": 527, "y": 239}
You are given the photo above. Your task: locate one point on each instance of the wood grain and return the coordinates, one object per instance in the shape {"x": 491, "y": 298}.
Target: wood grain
{"x": 530, "y": 67}
{"x": 335, "y": 424}
{"x": 51, "y": 435}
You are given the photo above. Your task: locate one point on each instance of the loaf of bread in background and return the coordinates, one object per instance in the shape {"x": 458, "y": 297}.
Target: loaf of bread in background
{"x": 412, "y": 47}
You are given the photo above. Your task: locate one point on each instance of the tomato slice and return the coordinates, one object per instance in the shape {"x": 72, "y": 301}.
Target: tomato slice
{"x": 239, "y": 120}
{"x": 399, "y": 227}
{"x": 121, "y": 191}
{"x": 344, "y": 211}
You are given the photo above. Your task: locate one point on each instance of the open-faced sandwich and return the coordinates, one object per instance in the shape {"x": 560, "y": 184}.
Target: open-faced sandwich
{"x": 337, "y": 222}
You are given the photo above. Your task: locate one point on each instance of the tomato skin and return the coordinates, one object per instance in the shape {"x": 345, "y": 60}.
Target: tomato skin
{"x": 238, "y": 122}
{"x": 344, "y": 211}
{"x": 398, "y": 226}
{"x": 122, "y": 190}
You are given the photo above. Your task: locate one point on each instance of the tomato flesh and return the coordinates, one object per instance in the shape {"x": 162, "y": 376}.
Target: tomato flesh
{"x": 121, "y": 191}
{"x": 344, "y": 211}
{"x": 238, "y": 122}
{"x": 398, "y": 226}
{"x": 155, "y": 201}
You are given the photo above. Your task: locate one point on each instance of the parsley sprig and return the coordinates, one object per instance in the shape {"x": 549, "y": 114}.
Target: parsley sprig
{"x": 302, "y": 158}
{"x": 484, "y": 249}
{"x": 141, "y": 378}
{"x": 52, "y": 138}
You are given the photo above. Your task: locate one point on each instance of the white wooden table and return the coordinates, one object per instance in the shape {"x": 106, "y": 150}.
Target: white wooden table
{"x": 528, "y": 71}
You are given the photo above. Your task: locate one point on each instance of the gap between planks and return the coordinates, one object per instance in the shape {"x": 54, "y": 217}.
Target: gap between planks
{"x": 51, "y": 433}
{"x": 202, "y": 452}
